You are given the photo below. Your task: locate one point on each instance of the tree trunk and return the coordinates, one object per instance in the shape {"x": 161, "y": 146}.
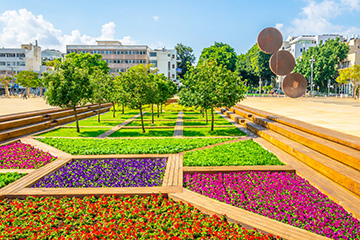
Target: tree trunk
{"x": 123, "y": 108}
{"x": 202, "y": 112}
{"x": 6, "y": 86}
{"x": 212, "y": 119}
{"x": 28, "y": 92}
{"x": 40, "y": 89}
{"x": 152, "y": 113}
{"x": 142, "y": 120}
{"x": 77, "y": 121}
{"x": 158, "y": 108}
{"x": 113, "y": 104}
{"x": 161, "y": 107}
{"x": 99, "y": 112}
{"x": 355, "y": 91}
{"x": 206, "y": 115}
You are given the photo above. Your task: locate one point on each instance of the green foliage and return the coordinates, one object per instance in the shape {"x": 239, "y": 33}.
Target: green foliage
{"x": 54, "y": 62}
{"x": 327, "y": 57}
{"x": 127, "y": 132}
{"x": 222, "y": 53}
{"x": 207, "y": 132}
{"x": 7, "y": 178}
{"x": 71, "y": 132}
{"x": 243, "y": 153}
{"x": 27, "y": 78}
{"x": 129, "y": 146}
{"x": 352, "y": 75}
{"x": 210, "y": 85}
{"x": 186, "y": 56}
{"x": 5, "y": 80}
{"x": 69, "y": 85}
{"x": 254, "y": 65}
{"x": 175, "y": 107}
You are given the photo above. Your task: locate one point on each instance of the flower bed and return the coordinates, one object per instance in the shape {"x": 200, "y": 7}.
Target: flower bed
{"x": 243, "y": 153}
{"x": 7, "y": 178}
{"x": 139, "y": 217}
{"x": 128, "y": 146}
{"x": 23, "y": 156}
{"x": 281, "y": 196}
{"x": 147, "y": 172}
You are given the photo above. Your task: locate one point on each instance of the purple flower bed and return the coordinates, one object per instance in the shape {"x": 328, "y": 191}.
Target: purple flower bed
{"x": 146, "y": 172}
{"x": 23, "y": 156}
{"x": 281, "y": 196}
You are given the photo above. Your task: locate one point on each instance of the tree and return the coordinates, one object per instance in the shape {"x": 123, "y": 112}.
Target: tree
{"x": 5, "y": 80}
{"x": 103, "y": 87}
{"x": 327, "y": 57}
{"x": 243, "y": 67}
{"x": 165, "y": 88}
{"x": 351, "y": 74}
{"x": 27, "y": 79}
{"x": 222, "y": 53}
{"x": 138, "y": 88}
{"x": 211, "y": 85}
{"x": 259, "y": 63}
{"x": 68, "y": 86}
{"x": 186, "y": 56}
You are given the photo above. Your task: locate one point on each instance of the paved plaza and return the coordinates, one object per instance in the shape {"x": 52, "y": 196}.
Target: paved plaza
{"x": 16, "y": 105}
{"x": 340, "y": 114}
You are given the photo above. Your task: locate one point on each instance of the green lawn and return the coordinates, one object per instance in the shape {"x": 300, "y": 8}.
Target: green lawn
{"x": 205, "y": 132}
{"x": 203, "y": 123}
{"x": 86, "y": 146}
{"x": 118, "y": 115}
{"x": 88, "y": 122}
{"x": 156, "y": 123}
{"x": 139, "y": 133}
{"x": 167, "y": 115}
{"x": 199, "y": 116}
{"x": 243, "y": 153}
{"x": 71, "y": 132}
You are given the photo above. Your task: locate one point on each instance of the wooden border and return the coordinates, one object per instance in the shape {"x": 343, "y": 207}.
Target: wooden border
{"x": 246, "y": 218}
{"x": 227, "y": 169}
{"x": 13, "y": 170}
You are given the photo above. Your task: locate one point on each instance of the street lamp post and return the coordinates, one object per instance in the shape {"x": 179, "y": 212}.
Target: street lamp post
{"x": 312, "y": 66}
{"x": 260, "y": 82}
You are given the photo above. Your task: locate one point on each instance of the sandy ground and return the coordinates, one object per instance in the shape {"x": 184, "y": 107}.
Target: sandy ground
{"x": 340, "y": 114}
{"x": 16, "y": 105}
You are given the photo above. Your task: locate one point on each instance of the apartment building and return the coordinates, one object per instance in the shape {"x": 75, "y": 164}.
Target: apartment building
{"x": 353, "y": 56}
{"x": 119, "y": 57}
{"x": 165, "y": 61}
{"x": 15, "y": 60}
{"x": 50, "y": 54}
{"x": 297, "y": 45}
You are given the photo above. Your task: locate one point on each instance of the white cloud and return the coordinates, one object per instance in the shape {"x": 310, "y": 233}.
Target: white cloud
{"x": 22, "y": 26}
{"x": 316, "y": 18}
{"x": 156, "y": 18}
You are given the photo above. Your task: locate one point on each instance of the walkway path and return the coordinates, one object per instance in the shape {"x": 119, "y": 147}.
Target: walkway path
{"x": 179, "y": 129}
{"x": 121, "y": 125}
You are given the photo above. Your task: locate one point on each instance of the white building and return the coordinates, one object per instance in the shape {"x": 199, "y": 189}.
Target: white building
{"x": 50, "y": 54}
{"x": 298, "y": 45}
{"x": 165, "y": 61}
{"x": 15, "y": 60}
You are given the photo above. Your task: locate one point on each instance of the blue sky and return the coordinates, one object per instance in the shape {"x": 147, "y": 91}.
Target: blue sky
{"x": 165, "y": 23}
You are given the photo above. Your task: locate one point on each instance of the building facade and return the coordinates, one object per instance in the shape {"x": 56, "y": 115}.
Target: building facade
{"x": 50, "y": 54}
{"x": 119, "y": 57}
{"x": 15, "y": 60}
{"x": 353, "y": 56}
{"x": 165, "y": 61}
{"x": 297, "y": 45}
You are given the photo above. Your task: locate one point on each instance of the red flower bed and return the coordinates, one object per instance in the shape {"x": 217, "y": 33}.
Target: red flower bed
{"x": 139, "y": 217}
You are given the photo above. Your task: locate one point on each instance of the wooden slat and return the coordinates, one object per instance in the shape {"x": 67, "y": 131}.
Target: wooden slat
{"x": 181, "y": 171}
{"x": 167, "y": 171}
{"x": 176, "y": 171}
{"x": 334, "y": 191}
{"x": 81, "y": 192}
{"x": 246, "y": 218}
{"x": 17, "y": 170}
{"x": 226, "y": 169}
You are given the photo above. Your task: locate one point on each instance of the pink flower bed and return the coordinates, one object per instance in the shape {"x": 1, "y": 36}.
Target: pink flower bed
{"x": 23, "y": 156}
{"x": 281, "y": 196}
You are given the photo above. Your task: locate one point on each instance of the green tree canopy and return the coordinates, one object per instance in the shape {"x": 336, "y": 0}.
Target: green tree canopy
{"x": 211, "y": 85}
{"x": 352, "y": 75}
{"x": 28, "y": 79}
{"x": 222, "y": 53}
{"x": 327, "y": 57}
{"x": 186, "y": 56}
{"x": 69, "y": 85}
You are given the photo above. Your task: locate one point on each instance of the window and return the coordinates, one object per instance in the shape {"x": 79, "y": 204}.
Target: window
{"x": 168, "y": 65}
{"x": 153, "y": 62}
{"x": 140, "y": 52}
{"x": 173, "y": 66}
{"x": 152, "y": 54}
{"x": 20, "y": 63}
{"x": 129, "y": 61}
{"x": 169, "y": 55}
{"x": 173, "y": 56}
{"x": 173, "y": 76}
{"x": 19, "y": 55}
{"x": 2, "y": 54}
{"x": 2, "y": 63}
{"x": 10, "y": 54}
{"x": 141, "y": 61}
{"x": 10, "y": 64}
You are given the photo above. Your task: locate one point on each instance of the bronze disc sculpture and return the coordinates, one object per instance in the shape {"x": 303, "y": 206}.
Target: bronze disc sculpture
{"x": 294, "y": 85}
{"x": 282, "y": 63}
{"x": 269, "y": 40}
